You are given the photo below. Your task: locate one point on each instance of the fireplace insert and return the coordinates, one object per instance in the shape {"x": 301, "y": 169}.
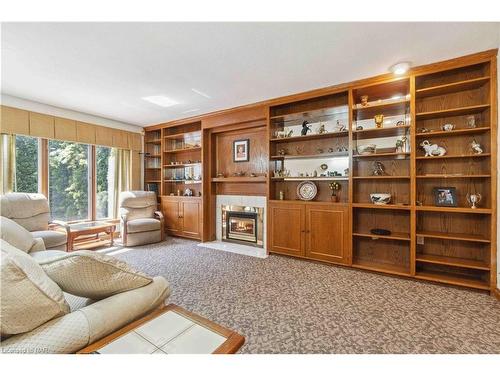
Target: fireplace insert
{"x": 241, "y": 226}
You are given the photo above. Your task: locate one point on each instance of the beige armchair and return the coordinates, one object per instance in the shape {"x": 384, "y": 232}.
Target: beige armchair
{"x": 31, "y": 211}
{"x": 141, "y": 223}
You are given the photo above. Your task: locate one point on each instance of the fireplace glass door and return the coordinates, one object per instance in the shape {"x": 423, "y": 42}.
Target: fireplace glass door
{"x": 241, "y": 226}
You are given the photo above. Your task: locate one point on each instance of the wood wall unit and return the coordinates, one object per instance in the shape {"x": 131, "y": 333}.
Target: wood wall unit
{"x": 183, "y": 216}
{"x": 450, "y": 245}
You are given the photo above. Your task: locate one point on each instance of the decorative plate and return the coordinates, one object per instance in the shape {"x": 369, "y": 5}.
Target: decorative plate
{"x": 307, "y": 190}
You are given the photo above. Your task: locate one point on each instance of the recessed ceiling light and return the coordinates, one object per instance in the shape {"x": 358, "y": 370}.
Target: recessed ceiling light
{"x": 400, "y": 68}
{"x": 160, "y": 100}
{"x": 201, "y": 93}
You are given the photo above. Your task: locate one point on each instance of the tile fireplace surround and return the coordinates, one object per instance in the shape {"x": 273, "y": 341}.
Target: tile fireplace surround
{"x": 238, "y": 200}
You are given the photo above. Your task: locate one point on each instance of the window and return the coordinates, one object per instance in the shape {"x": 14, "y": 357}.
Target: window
{"x": 26, "y": 179}
{"x": 104, "y": 181}
{"x": 69, "y": 195}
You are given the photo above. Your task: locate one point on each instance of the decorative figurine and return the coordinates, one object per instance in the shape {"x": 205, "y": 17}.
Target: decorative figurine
{"x": 346, "y": 172}
{"x": 476, "y": 147}
{"x": 401, "y": 145}
{"x": 253, "y": 175}
{"x": 321, "y": 129}
{"x": 471, "y": 121}
{"x": 340, "y": 127}
{"x": 282, "y": 195}
{"x": 188, "y": 193}
{"x": 319, "y": 150}
{"x": 379, "y": 121}
{"x": 432, "y": 149}
{"x": 334, "y": 187}
{"x": 282, "y": 152}
{"x": 305, "y": 128}
{"x": 448, "y": 127}
{"x": 289, "y": 134}
{"x": 323, "y": 167}
{"x": 359, "y": 127}
{"x": 364, "y": 100}
{"x": 331, "y": 150}
{"x": 378, "y": 169}
{"x": 400, "y": 123}
{"x": 423, "y": 130}
{"x": 315, "y": 174}
{"x": 220, "y": 175}
{"x": 473, "y": 199}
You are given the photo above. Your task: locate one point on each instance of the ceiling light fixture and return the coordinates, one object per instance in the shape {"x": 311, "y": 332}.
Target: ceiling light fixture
{"x": 201, "y": 93}
{"x": 400, "y": 68}
{"x": 160, "y": 100}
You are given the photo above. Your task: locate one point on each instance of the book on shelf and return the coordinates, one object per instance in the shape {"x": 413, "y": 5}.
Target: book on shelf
{"x": 152, "y": 187}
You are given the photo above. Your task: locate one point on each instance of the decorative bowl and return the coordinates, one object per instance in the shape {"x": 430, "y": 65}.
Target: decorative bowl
{"x": 367, "y": 149}
{"x": 307, "y": 190}
{"x": 380, "y": 198}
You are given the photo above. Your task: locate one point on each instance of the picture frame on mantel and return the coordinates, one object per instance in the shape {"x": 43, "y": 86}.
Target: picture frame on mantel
{"x": 241, "y": 150}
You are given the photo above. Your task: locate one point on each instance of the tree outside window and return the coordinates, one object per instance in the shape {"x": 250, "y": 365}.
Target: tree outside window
{"x": 26, "y": 180}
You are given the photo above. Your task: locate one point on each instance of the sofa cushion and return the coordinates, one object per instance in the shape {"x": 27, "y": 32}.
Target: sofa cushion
{"x": 29, "y": 297}
{"x": 92, "y": 275}
{"x": 43, "y": 256}
{"x": 143, "y": 225}
{"x": 16, "y": 235}
{"x": 31, "y": 210}
{"x": 51, "y": 238}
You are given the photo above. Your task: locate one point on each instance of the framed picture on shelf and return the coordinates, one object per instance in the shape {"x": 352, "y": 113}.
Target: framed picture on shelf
{"x": 445, "y": 196}
{"x": 241, "y": 150}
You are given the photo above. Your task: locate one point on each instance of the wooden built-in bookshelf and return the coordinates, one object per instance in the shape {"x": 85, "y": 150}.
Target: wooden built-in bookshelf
{"x": 453, "y": 245}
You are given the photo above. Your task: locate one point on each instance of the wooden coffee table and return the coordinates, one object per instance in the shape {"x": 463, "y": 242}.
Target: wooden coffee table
{"x": 74, "y": 231}
{"x": 169, "y": 330}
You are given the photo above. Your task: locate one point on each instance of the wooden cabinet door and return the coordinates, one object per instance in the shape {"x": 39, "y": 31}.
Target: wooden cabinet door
{"x": 170, "y": 210}
{"x": 190, "y": 218}
{"x": 286, "y": 233}
{"x": 327, "y": 234}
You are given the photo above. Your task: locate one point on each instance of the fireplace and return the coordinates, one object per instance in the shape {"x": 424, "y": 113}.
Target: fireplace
{"x": 242, "y": 224}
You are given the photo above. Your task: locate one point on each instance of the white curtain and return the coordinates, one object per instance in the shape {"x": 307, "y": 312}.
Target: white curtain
{"x": 7, "y": 162}
{"x": 120, "y": 169}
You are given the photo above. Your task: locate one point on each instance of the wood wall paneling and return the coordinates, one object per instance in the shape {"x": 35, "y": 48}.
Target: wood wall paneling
{"x": 15, "y": 121}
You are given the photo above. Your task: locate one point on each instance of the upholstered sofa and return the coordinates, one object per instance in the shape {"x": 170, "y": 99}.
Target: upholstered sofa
{"x": 88, "y": 320}
{"x": 141, "y": 223}
{"x": 31, "y": 211}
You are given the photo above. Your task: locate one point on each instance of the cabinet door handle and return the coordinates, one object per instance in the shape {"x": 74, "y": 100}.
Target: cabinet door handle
{"x": 302, "y": 231}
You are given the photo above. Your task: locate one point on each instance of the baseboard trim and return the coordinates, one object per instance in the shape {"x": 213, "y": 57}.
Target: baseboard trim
{"x": 496, "y": 293}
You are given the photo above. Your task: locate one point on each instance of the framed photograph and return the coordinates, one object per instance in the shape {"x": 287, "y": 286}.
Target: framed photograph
{"x": 241, "y": 150}
{"x": 445, "y": 196}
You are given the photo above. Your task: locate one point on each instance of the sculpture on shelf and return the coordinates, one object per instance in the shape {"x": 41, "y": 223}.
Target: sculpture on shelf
{"x": 379, "y": 121}
{"x": 471, "y": 121}
{"x": 282, "y": 152}
{"x": 334, "y": 187}
{"x": 359, "y": 127}
{"x": 305, "y": 128}
{"x": 476, "y": 147}
{"x": 364, "y": 100}
{"x": 401, "y": 144}
{"x": 432, "y": 149}
{"x": 299, "y": 150}
{"x": 339, "y": 127}
{"x": 473, "y": 199}
{"x": 346, "y": 172}
{"x": 188, "y": 193}
{"x": 321, "y": 129}
{"x": 319, "y": 150}
{"x": 378, "y": 168}
{"x": 447, "y": 127}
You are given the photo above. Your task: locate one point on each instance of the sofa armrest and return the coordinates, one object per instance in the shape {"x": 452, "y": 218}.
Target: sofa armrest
{"x": 159, "y": 216}
{"x": 39, "y": 245}
{"x": 112, "y": 313}
{"x": 56, "y": 224}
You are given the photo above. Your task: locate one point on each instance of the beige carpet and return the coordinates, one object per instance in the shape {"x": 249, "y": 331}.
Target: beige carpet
{"x": 285, "y": 305}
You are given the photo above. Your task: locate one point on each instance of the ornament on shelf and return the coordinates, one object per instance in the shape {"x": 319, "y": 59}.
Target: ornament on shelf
{"x": 334, "y": 187}
{"x": 448, "y": 127}
{"x": 319, "y": 150}
{"x": 364, "y": 100}
{"x": 476, "y": 147}
{"x": 359, "y": 127}
{"x": 378, "y": 168}
{"x": 299, "y": 150}
{"x": 401, "y": 144}
{"x": 380, "y": 198}
{"x": 473, "y": 199}
{"x": 323, "y": 167}
{"x": 282, "y": 152}
{"x": 423, "y": 130}
{"x": 321, "y": 129}
{"x": 188, "y": 192}
{"x": 379, "y": 120}
{"x": 346, "y": 172}
{"x": 432, "y": 149}
{"x": 339, "y": 127}
{"x": 471, "y": 121}
{"x": 400, "y": 123}
{"x": 305, "y": 128}
{"x": 331, "y": 150}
